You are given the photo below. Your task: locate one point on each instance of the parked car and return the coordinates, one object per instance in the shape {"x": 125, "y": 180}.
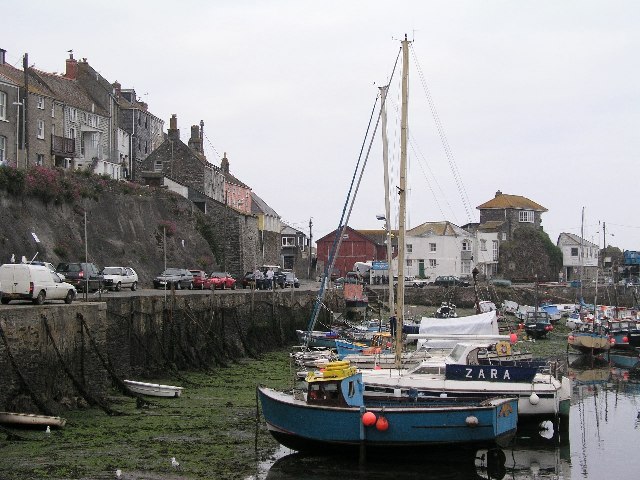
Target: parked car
{"x": 178, "y": 277}
{"x": 222, "y": 280}
{"x": 22, "y": 281}
{"x": 279, "y": 276}
{"x": 249, "y": 281}
{"x": 81, "y": 275}
{"x": 450, "y": 281}
{"x": 117, "y": 278}
{"x": 416, "y": 282}
{"x": 290, "y": 280}
{"x": 201, "y": 280}
{"x": 49, "y": 265}
{"x": 500, "y": 282}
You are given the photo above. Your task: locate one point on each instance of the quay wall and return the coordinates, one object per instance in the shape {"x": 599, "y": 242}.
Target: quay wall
{"x": 56, "y": 356}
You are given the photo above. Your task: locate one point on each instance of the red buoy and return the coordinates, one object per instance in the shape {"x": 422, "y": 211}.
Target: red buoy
{"x": 612, "y": 340}
{"x": 625, "y": 339}
{"x": 382, "y": 424}
{"x": 368, "y": 419}
{"x": 513, "y": 338}
{"x": 571, "y": 338}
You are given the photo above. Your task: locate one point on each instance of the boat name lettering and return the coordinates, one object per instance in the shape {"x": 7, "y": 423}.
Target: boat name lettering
{"x": 492, "y": 374}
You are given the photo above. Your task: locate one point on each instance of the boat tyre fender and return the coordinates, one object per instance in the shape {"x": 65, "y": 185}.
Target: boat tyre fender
{"x": 503, "y": 348}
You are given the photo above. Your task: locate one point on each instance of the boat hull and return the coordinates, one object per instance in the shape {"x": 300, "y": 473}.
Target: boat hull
{"x": 30, "y": 420}
{"x": 589, "y": 343}
{"x": 153, "y": 389}
{"x": 300, "y": 426}
{"x": 317, "y": 338}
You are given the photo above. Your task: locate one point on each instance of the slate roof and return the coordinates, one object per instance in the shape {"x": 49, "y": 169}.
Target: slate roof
{"x": 491, "y": 225}
{"x": 441, "y": 229}
{"x": 503, "y": 201}
{"x": 572, "y": 239}
{"x": 260, "y": 207}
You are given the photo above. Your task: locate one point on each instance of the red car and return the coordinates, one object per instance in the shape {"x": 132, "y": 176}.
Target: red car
{"x": 200, "y": 280}
{"x": 222, "y": 280}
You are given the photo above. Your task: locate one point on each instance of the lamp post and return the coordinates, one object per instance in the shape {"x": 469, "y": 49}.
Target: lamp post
{"x": 17, "y": 104}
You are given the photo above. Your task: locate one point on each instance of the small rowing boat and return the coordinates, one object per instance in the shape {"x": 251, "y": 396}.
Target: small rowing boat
{"x": 153, "y": 389}
{"x": 29, "y": 420}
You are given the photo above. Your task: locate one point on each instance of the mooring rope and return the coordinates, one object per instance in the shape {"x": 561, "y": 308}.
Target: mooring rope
{"x": 78, "y": 385}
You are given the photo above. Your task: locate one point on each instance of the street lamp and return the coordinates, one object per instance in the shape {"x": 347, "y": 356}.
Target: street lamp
{"x": 17, "y": 104}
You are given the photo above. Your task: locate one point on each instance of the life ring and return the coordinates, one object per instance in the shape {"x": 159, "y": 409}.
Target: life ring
{"x": 503, "y": 348}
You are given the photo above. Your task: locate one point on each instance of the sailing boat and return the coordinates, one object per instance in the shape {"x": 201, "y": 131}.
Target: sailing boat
{"x": 589, "y": 338}
{"x": 333, "y": 413}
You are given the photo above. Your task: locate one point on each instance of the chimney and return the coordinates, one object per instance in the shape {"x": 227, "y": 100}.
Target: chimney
{"x": 2, "y": 53}
{"x": 117, "y": 89}
{"x": 224, "y": 165}
{"x": 195, "y": 142}
{"x": 173, "y": 133}
{"x": 498, "y": 193}
{"x": 72, "y": 67}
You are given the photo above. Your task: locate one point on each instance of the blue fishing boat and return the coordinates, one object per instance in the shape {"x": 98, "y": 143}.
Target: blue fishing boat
{"x": 332, "y": 413}
{"x": 624, "y": 334}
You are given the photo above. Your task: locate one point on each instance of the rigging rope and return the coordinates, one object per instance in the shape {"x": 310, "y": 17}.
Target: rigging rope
{"x": 443, "y": 138}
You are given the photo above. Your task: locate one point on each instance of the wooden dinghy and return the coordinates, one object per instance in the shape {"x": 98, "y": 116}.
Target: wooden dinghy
{"x": 31, "y": 420}
{"x": 153, "y": 389}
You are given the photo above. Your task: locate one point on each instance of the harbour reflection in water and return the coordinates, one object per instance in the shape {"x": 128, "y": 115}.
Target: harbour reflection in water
{"x": 600, "y": 442}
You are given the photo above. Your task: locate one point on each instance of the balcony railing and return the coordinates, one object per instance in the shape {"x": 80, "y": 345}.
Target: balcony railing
{"x": 63, "y": 146}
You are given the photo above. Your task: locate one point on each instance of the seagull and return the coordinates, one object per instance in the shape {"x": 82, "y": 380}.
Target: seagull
{"x": 48, "y": 430}
{"x": 118, "y": 473}
{"x": 174, "y": 463}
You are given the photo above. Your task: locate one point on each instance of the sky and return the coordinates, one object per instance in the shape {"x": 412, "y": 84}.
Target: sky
{"x": 533, "y": 98}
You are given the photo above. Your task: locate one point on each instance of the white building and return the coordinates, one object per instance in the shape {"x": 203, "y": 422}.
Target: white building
{"x": 579, "y": 257}
{"x": 439, "y": 248}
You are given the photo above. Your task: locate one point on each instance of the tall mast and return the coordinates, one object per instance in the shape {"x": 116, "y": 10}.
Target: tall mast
{"x": 387, "y": 201}
{"x": 403, "y": 203}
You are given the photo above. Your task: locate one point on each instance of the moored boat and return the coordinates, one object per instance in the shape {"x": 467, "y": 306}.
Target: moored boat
{"x": 333, "y": 414}
{"x": 153, "y": 389}
{"x": 31, "y": 420}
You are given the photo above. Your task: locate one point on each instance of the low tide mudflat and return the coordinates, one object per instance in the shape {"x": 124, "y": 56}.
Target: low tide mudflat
{"x": 210, "y": 430}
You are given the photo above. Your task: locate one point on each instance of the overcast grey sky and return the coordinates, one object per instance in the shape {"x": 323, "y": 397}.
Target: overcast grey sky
{"x": 536, "y": 98}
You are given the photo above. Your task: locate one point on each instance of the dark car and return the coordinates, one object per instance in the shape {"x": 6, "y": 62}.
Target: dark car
{"x": 537, "y": 324}
{"x": 290, "y": 280}
{"x": 279, "y": 277}
{"x": 249, "y": 281}
{"x": 450, "y": 281}
{"x": 201, "y": 280}
{"x": 81, "y": 275}
{"x": 178, "y": 277}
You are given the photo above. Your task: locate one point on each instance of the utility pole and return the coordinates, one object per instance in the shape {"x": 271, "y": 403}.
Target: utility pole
{"x": 25, "y": 106}
{"x": 310, "y": 248}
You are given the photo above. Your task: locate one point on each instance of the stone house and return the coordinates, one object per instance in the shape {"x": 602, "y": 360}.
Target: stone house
{"x": 145, "y": 130}
{"x": 295, "y": 251}
{"x": 237, "y": 195}
{"x": 508, "y": 212}
{"x": 185, "y": 164}
{"x": 579, "y": 257}
{"x": 9, "y": 116}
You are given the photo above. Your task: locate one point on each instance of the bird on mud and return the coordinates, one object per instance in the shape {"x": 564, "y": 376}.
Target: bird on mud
{"x": 174, "y": 463}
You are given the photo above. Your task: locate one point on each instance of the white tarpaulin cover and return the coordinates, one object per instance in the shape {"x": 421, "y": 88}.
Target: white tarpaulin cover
{"x": 481, "y": 324}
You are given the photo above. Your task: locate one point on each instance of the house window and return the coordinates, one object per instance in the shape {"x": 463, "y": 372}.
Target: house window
{"x": 432, "y": 263}
{"x": 157, "y": 166}
{"x": 432, "y": 247}
{"x": 53, "y": 129}
{"x": 41, "y": 129}
{"x": 526, "y": 216}
{"x": 73, "y": 116}
{"x": 504, "y": 237}
{"x": 466, "y": 267}
{"x": 40, "y": 159}
{"x": 495, "y": 250}
{"x": 3, "y": 106}
{"x": 288, "y": 241}
{"x": 466, "y": 246}
{"x": 53, "y": 110}
{"x": 41, "y": 103}
{"x": 483, "y": 245}
{"x": 409, "y": 262}
{"x": 409, "y": 248}
{"x": 574, "y": 251}
{"x": 3, "y": 148}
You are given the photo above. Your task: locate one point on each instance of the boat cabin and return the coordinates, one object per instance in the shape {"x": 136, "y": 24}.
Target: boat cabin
{"x": 337, "y": 385}
{"x": 537, "y": 323}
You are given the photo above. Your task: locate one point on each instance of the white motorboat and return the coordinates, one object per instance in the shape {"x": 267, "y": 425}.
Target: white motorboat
{"x": 153, "y": 389}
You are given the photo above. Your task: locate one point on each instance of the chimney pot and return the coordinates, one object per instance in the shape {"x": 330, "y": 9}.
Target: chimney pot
{"x": 498, "y": 193}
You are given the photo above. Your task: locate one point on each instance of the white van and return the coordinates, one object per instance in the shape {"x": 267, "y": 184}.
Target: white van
{"x": 22, "y": 281}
